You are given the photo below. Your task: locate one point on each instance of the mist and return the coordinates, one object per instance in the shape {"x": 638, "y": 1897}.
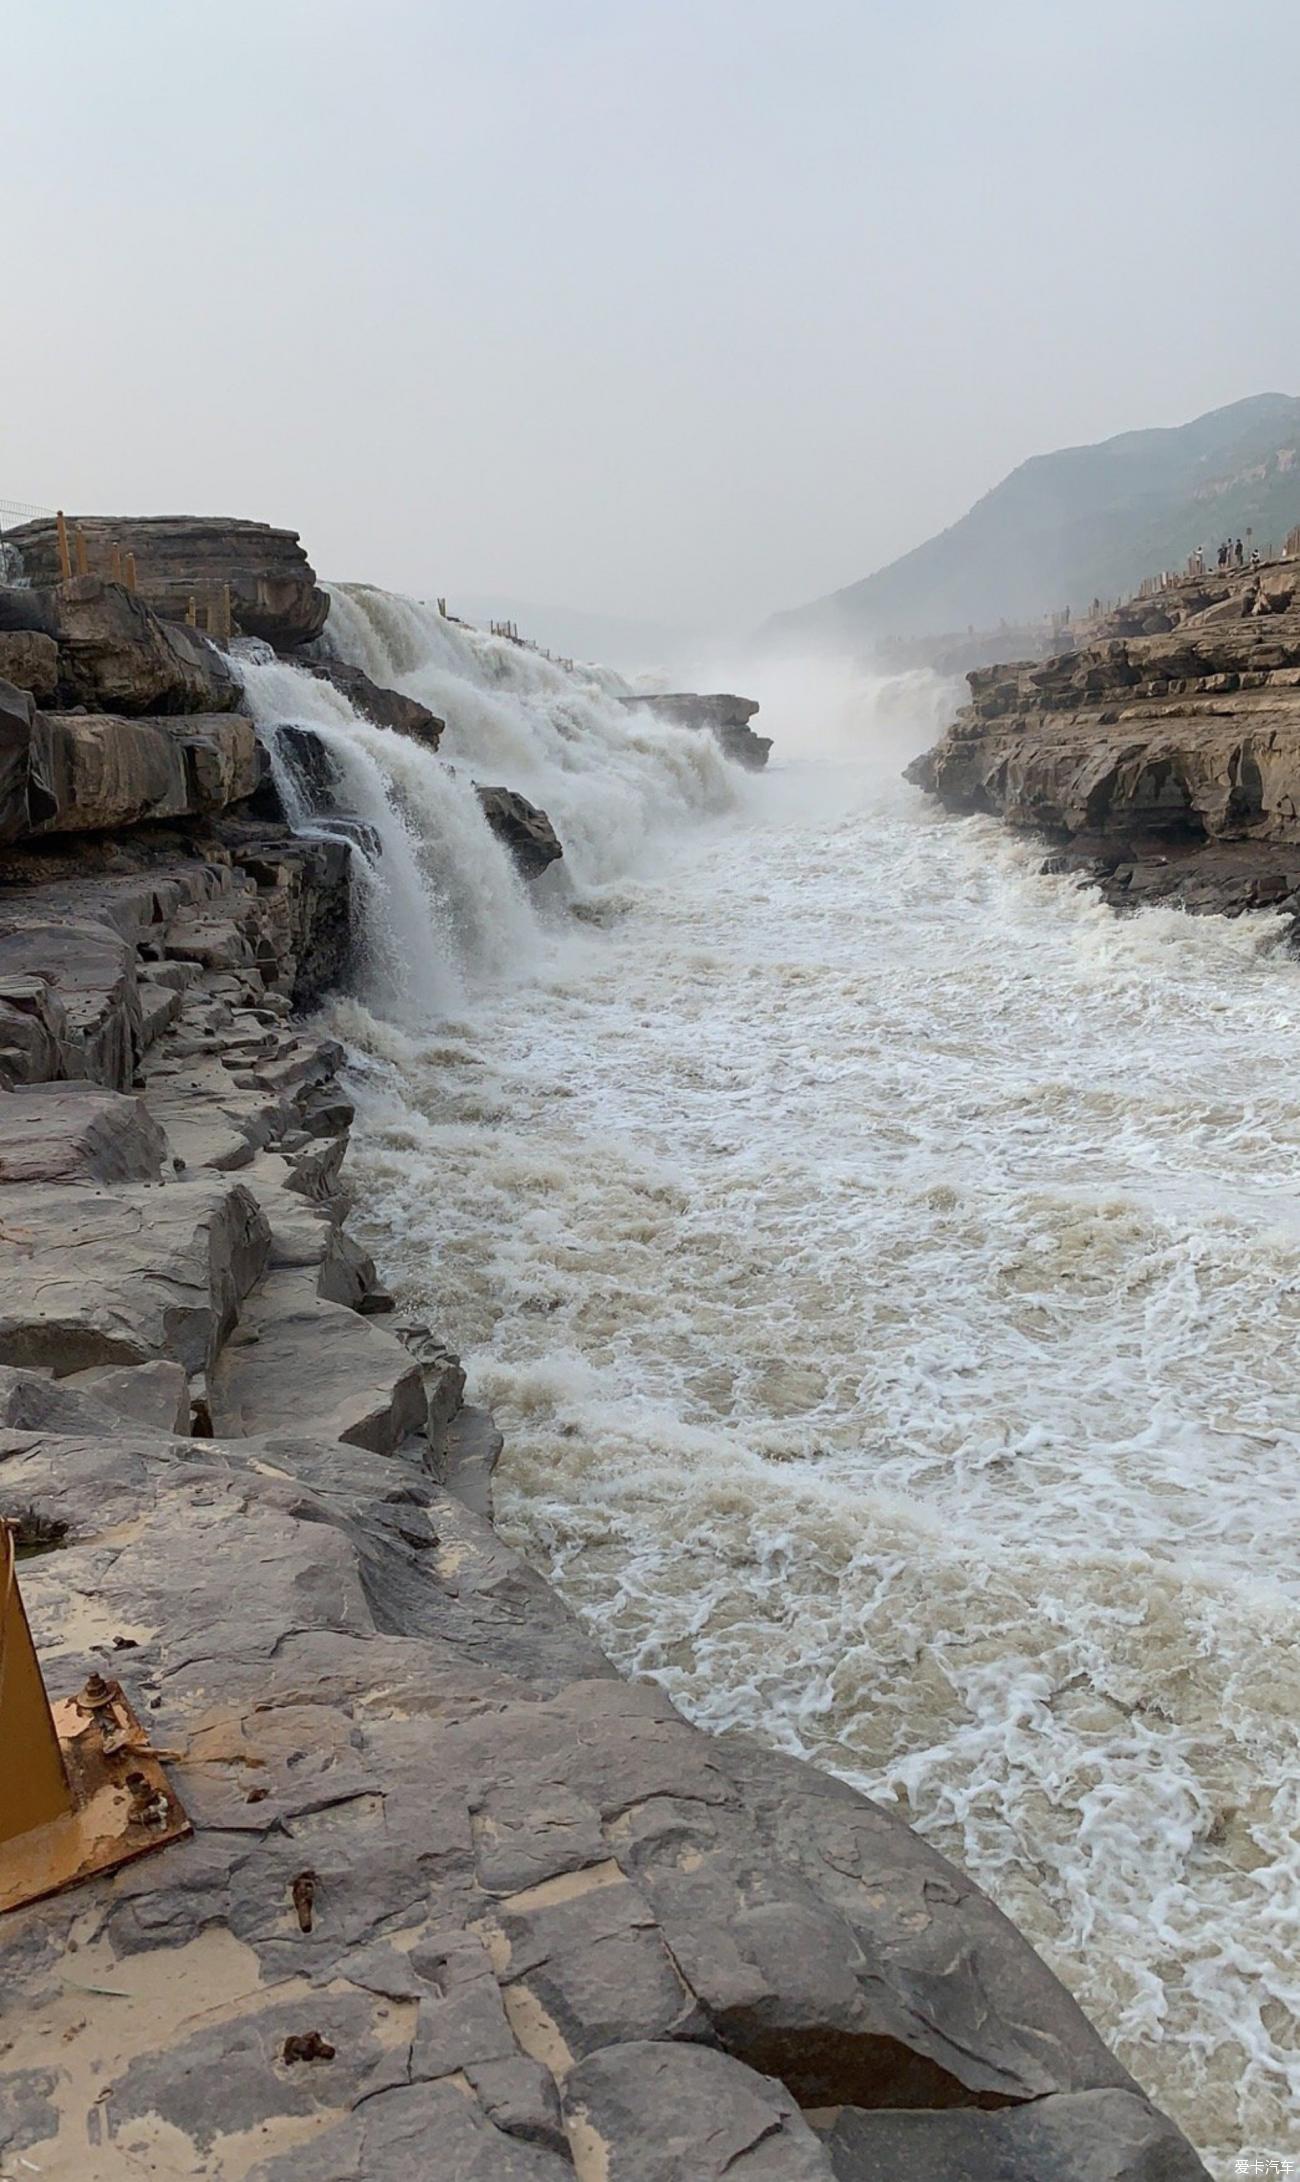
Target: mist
{"x": 678, "y": 313}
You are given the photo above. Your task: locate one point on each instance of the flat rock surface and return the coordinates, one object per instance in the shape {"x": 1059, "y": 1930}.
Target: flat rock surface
{"x": 298, "y": 1361}
{"x": 92, "y": 1275}
{"x": 553, "y": 1929}
{"x": 55, "y": 1132}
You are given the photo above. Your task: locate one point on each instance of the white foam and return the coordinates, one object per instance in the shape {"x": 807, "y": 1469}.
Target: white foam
{"x": 884, "y": 1263}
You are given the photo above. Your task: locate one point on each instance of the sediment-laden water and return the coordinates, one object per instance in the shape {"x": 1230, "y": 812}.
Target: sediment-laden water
{"x": 885, "y": 1266}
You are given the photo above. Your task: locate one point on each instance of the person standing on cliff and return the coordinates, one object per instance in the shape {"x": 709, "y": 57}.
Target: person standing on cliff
{"x": 1240, "y": 555}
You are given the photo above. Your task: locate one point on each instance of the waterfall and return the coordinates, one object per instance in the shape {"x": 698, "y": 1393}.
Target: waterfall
{"x": 609, "y": 779}
{"x": 442, "y": 909}
{"x": 441, "y": 904}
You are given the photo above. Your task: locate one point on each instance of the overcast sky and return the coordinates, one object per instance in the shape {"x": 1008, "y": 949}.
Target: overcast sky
{"x": 689, "y": 309}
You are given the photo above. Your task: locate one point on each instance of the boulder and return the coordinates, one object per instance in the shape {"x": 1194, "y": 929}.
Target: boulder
{"x": 526, "y": 831}
{"x": 386, "y": 707}
{"x": 105, "y": 772}
{"x": 31, "y": 660}
{"x": 63, "y": 1132}
{"x": 125, "y": 1275}
{"x": 70, "y": 1001}
{"x": 659, "y": 2113}
{"x": 17, "y": 716}
{"x": 156, "y": 1396}
{"x": 114, "y": 654}
{"x": 33, "y": 1026}
{"x": 273, "y": 588}
{"x": 299, "y": 1363}
{"x": 720, "y": 714}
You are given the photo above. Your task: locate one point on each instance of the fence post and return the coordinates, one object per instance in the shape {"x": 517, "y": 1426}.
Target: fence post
{"x": 65, "y": 558}
{"x": 130, "y": 571}
{"x": 115, "y": 563}
{"x": 83, "y": 557}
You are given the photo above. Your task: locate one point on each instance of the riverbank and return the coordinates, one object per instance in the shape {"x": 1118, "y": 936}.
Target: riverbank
{"x": 1161, "y": 758}
{"x": 458, "y": 1898}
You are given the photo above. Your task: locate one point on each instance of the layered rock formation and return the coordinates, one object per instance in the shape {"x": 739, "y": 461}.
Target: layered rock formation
{"x": 179, "y": 559}
{"x": 1165, "y": 761}
{"x": 458, "y": 1902}
{"x": 725, "y": 717}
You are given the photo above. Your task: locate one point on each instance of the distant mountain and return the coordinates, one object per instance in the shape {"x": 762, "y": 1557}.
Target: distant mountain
{"x": 1082, "y": 523}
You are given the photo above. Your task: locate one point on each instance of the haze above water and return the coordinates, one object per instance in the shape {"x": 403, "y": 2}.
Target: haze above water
{"x": 885, "y": 1268}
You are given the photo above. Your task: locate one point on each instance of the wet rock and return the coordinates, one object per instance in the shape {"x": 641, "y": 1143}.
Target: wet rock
{"x": 723, "y": 716}
{"x": 526, "y": 831}
{"x": 274, "y": 593}
{"x": 386, "y": 707}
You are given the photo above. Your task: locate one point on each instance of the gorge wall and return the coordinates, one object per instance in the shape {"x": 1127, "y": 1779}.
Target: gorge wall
{"x": 458, "y": 1902}
{"x": 1162, "y": 757}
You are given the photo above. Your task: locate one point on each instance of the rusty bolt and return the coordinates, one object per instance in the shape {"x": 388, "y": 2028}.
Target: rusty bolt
{"x": 95, "y": 1694}
{"x": 148, "y": 1806}
{"x": 304, "y": 1895}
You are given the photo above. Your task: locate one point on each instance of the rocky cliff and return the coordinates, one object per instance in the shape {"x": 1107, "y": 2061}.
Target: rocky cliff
{"x": 188, "y": 561}
{"x": 721, "y": 715}
{"x": 458, "y": 1902}
{"x": 1162, "y": 756}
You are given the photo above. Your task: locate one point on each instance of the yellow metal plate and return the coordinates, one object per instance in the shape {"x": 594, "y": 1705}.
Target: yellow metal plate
{"x": 123, "y": 1804}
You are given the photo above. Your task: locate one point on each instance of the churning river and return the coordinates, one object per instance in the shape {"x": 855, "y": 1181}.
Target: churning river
{"x": 885, "y": 1267}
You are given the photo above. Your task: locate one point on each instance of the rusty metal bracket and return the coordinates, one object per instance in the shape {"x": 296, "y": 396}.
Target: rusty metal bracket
{"x": 81, "y": 1791}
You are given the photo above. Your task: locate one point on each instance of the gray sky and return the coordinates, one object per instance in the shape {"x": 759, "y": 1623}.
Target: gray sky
{"x": 686, "y": 309}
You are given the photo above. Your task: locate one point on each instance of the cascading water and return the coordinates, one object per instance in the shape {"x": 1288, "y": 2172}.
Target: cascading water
{"x": 442, "y": 906}
{"x": 443, "y": 910}
{"x": 881, "y": 1261}
{"x": 610, "y": 780}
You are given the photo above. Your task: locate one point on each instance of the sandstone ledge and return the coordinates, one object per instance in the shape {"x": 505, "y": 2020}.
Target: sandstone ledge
{"x": 1163, "y": 765}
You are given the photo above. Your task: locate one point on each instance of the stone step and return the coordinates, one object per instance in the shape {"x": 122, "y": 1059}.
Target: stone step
{"x": 92, "y": 1275}
{"x": 299, "y": 1364}
{"x": 63, "y": 1132}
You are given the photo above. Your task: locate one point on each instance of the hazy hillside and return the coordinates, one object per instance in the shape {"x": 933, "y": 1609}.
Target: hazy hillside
{"x": 1085, "y": 521}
